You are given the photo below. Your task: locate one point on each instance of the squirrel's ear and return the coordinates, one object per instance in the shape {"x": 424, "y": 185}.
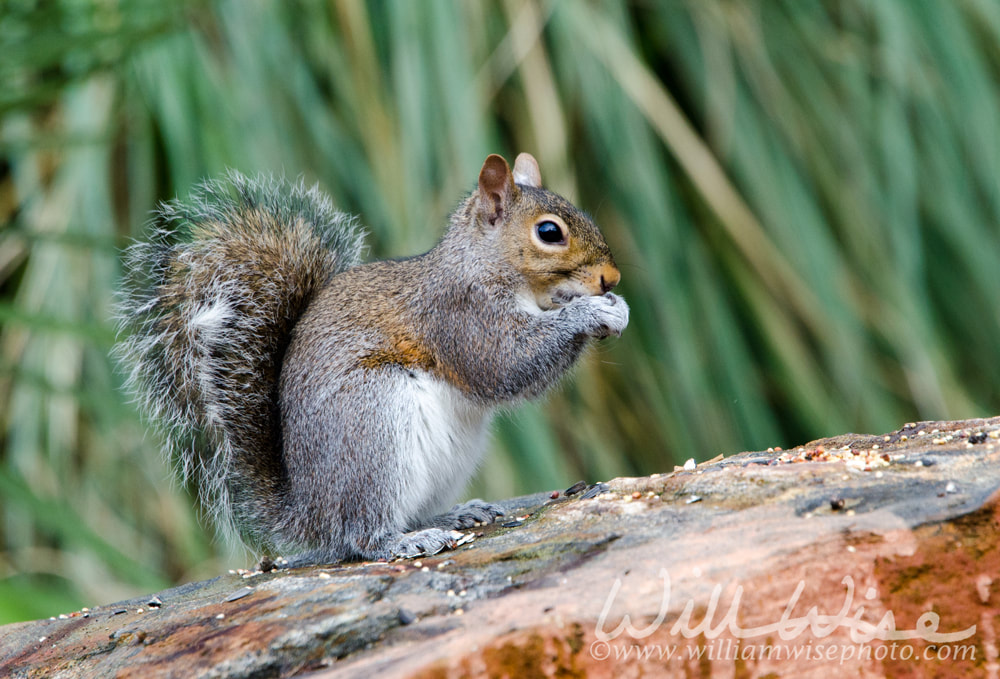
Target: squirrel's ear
{"x": 526, "y": 171}
{"x": 496, "y": 188}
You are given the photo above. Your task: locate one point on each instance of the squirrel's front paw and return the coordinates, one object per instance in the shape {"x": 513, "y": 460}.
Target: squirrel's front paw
{"x": 423, "y": 543}
{"x": 608, "y": 315}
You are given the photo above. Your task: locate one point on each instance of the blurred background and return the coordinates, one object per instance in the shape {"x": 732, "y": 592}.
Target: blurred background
{"x": 803, "y": 197}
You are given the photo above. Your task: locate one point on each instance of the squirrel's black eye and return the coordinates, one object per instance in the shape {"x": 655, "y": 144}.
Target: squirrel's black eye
{"x": 549, "y": 232}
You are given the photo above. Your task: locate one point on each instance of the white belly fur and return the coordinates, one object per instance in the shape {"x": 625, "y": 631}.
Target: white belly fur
{"x": 443, "y": 436}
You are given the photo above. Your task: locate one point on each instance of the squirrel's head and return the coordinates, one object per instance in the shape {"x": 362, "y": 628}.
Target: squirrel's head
{"x": 558, "y": 249}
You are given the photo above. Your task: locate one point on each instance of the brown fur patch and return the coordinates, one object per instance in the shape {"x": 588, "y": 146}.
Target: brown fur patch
{"x": 405, "y": 352}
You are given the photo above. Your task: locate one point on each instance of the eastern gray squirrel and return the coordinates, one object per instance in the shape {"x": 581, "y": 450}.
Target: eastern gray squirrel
{"x": 333, "y": 410}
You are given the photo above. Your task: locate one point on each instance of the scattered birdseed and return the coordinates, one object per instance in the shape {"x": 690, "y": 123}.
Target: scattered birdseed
{"x": 690, "y": 465}
{"x": 554, "y": 495}
{"x": 406, "y": 617}
{"x": 951, "y": 488}
{"x": 155, "y": 602}
{"x": 577, "y": 487}
{"x": 694, "y": 498}
{"x": 855, "y": 459}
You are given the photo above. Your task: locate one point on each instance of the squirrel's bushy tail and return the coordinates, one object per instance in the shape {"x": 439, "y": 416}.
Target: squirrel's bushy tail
{"x": 205, "y": 315}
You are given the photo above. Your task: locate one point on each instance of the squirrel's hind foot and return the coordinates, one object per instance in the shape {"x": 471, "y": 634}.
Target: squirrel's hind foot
{"x": 467, "y": 515}
{"x": 436, "y": 534}
{"x": 425, "y": 542}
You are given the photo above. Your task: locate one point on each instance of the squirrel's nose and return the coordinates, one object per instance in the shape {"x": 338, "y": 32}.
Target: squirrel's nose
{"x": 609, "y": 279}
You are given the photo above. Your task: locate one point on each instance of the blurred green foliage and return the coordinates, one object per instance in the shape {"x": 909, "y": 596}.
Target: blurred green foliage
{"x": 803, "y": 197}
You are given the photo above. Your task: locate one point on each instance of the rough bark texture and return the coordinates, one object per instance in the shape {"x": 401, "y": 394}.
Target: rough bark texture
{"x": 892, "y": 541}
